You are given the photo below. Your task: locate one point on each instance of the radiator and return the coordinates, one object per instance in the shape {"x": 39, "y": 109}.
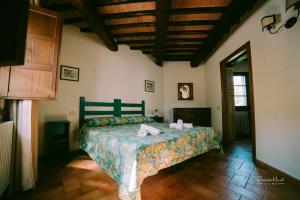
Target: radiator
{"x": 6, "y": 132}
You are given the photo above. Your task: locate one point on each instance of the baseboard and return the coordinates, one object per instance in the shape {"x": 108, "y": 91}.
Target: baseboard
{"x": 292, "y": 180}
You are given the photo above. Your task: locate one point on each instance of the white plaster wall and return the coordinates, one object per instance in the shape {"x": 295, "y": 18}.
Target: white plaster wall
{"x": 104, "y": 75}
{"x": 276, "y": 74}
{"x": 181, "y": 72}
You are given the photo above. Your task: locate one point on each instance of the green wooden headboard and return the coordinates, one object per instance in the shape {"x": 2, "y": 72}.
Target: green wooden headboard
{"x": 116, "y": 111}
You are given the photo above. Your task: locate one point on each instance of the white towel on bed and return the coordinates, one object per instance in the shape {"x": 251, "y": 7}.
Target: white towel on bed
{"x": 152, "y": 130}
{"x": 173, "y": 125}
{"x": 142, "y": 133}
{"x": 176, "y": 126}
{"x": 187, "y": 125}
{"x": 179, "y": 121}
{"x": 180, "y": 125}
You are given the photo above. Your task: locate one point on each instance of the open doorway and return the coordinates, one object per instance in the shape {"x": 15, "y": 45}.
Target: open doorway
{"x": 238, "y": 118}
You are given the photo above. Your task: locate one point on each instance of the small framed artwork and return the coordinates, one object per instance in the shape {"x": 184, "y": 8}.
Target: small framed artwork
{"x": 185, "y": 91}
{"x": 149, "y": 86}
{"x": 69, "y": 73}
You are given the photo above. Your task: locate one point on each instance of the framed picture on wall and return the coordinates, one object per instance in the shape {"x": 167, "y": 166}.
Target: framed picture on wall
{"x": 149, "y": 86}
{"x": 185, "y": 91}
{"x": 69, "y": 73}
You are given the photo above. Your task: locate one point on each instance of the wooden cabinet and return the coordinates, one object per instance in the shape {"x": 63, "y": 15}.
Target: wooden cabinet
{"x": 57, "y": 137}
{"x": 4, "y": 80}
{"x": 37, "y": 78}
{"x": 158, "y": 119}
{"x": 43, "y": 35}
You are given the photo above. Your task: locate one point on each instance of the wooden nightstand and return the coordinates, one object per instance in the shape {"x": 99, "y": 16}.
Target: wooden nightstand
{"x": 158, "y": 119}
{"x": 57, "y": 137}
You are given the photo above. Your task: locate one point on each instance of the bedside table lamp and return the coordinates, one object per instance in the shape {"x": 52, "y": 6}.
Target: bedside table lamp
{"x": 155, "y": 112}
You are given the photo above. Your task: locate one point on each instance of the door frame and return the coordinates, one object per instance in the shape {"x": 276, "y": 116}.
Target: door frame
{"x": 225, "y": 131}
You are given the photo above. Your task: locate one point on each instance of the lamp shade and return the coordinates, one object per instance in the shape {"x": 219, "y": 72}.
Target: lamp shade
{"x": 268, "y": 21}
{"x": 290, "y": 3}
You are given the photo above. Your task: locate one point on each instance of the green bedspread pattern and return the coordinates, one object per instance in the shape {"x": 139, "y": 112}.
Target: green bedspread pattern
{"x": 129, "y": 159}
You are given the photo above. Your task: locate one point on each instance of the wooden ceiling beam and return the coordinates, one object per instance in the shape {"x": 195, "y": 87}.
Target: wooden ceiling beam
{"x": 192, "y": 23}
{"x": 148, "y": 52}
{"x": 190, "y": 53}
{"x": 91, "y": 16}
{"x": 199, "y": 10}
{"x": 161, "y": 28}
{"x": 177, "y": 56}
{"x": 235, "y": 10}
{"x": 146, "y": 24}
{"x": 186, "y": 39}
{"x": 128, "y": 14}
{"x": 181, "y": 50}
{"x": 86, "y": 30}
{"x": 120, "y": 35}
{"x": 186, "y": 32}
{"x": 119, "y": 2}
{"x": 142, "y": 47}
{"x": 176, "y": 46}
{"x": 57, "y": 7}
{"x": 73, "y": 20}
{"x": 167, "y": 40}
{"x": 189, "y": 32}
{"x": 184, "y": 59}
{"x": 134, "y": 34}
{"x": 136, "y": 42}
{"x": 183, "y": 45}
{"x": 131, "y": 25}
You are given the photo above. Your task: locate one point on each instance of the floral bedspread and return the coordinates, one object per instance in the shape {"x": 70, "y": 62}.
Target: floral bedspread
{"x": 129, "y": 159}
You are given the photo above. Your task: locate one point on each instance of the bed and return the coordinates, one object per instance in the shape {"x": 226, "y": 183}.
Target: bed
{"x": 129, "y": 159}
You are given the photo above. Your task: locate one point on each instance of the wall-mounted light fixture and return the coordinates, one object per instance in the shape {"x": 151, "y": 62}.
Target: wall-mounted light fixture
{"x": 269, "y": 22}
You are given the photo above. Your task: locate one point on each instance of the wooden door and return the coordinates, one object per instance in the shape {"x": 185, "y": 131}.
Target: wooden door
{"x": 37, "y": 77}
{"x": 230, "y": 106}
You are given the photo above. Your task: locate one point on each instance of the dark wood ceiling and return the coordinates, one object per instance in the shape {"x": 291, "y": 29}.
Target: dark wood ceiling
{"x": 169, "y": 30}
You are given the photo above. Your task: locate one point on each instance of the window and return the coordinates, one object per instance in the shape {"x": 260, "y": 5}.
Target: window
{"x": 240, "y": 90}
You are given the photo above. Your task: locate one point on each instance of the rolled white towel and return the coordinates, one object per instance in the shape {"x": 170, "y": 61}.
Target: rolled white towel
{"x": 152, "y": 130}
{"x": 179, "y": 121}
{"x": 142, "y": 133}
{"x": 187, "y": 125}
{"x": 179, "y": 127}
{"x": 176, "y": 126}
{"x": 173, "y": 125}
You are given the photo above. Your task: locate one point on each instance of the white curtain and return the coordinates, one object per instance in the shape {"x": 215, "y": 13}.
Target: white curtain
{"x": 23, "y": 174}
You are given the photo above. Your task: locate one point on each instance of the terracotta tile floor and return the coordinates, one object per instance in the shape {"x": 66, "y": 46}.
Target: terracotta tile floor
{"x": 208, "y": 176}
